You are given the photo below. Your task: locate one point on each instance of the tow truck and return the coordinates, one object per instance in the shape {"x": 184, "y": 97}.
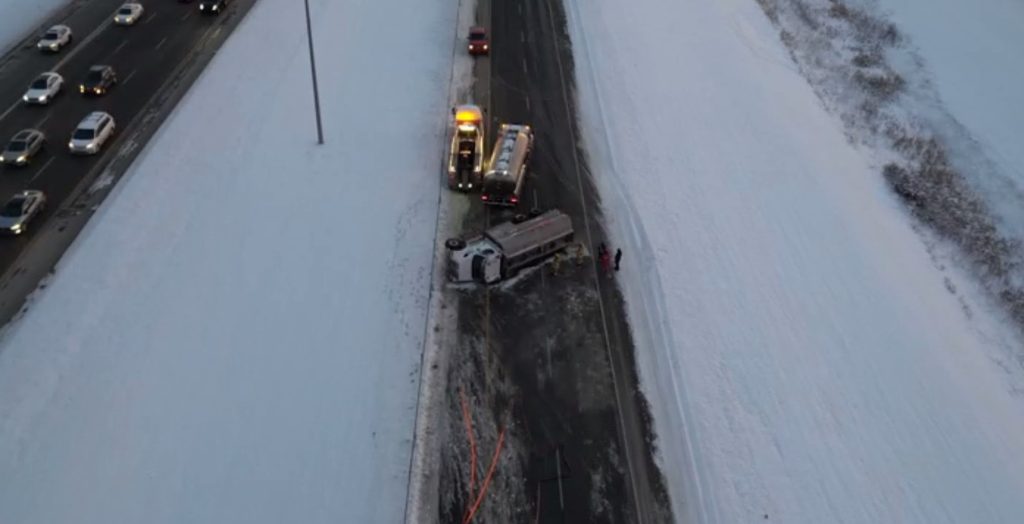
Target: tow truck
{"x": 465, "y": 159}
{"x": 501, "y": 251}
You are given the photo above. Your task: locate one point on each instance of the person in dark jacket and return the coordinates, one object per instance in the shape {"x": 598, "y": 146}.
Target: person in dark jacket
{"x": 618, "y": 258}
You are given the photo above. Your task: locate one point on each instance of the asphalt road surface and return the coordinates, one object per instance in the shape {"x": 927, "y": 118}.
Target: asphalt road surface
{"x": 557, "y": 360}
{"x": 151, "y": 60}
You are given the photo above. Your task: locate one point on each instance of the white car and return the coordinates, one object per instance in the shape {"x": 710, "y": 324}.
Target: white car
{"x": 55, "y": 39}
{"x": 128, "y": 14}
{"x": 92, "y": 132}
{"x": 43, "y": 89}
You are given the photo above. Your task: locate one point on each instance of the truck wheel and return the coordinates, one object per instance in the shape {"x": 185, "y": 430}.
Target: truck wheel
{"x": 518, "y": 218}
{"x": 454, "y": 244}
{"x": 536, "y": 212}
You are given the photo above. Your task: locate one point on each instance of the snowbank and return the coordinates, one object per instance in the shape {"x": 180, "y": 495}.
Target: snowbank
{"x": 972, "y": 52}
{"x": 804, "y": 358}
{"x": 236, "y": 335}
{"x": 19, "y": 17}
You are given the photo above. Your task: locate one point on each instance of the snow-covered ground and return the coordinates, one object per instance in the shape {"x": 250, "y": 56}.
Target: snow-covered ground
{"x": 804, "y": 356}
{"x": 19, "y": 17}
{"x": 972, "y": 52}
{"x": 236, "y": 335}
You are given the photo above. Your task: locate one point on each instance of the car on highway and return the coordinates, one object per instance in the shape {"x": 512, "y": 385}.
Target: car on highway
{"x": 44, "y": 88}
{"x": 55, "y": 38}
{"x": 92, "y": 132}
{"x": 25, "y": 145}
{"x": 20, "y": 210}
{"x": 478, "y": 44}
{"x": 128, "y": 14}
{"x": 212, "y": 6}
{"x": 98, "y": 80}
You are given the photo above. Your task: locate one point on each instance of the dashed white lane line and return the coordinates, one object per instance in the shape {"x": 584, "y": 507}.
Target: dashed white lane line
{"x": 119, "y": 47}
{"x": 161, "y": 43}
{"x": 83, "y": 44}
{"x": 39, "y": 124}
{"x": 35, "y": 176}
{"x": 129, "y": 77}
{"x": 150, "y": 19}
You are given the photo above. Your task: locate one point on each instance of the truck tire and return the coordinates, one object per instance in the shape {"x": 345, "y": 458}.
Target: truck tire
{"x": 454, "y": 244}
{"x": 518, "y": 218}
{"x": 536, "y": 212}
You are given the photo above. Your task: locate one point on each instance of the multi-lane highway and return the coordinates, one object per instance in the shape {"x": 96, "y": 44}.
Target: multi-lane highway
{"x": 155, "y": 61}
{"x": 565, "y": 380}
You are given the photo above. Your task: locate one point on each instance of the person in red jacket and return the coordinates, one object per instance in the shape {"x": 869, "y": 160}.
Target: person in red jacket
{"x": 606, "y": 260}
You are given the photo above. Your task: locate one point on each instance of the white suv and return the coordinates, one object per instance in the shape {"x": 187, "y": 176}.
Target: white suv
{"x": 92, "y": 132}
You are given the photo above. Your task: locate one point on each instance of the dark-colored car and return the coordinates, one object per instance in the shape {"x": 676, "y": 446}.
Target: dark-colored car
{"x": 98, "y": 80}
{"x": 478, "y": 44}
{"x": 25, "y": 145}
{"x": 213, "y": 7}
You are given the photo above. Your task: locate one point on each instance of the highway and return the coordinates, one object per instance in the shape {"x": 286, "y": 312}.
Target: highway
{"x": 557, "y": 362}
{"x": 155, "y": 61}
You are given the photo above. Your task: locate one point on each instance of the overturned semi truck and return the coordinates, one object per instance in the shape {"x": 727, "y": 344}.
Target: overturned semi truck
{"x": 501, "y": 251}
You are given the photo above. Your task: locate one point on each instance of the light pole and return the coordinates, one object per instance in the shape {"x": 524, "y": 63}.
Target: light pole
{"x": 312, "y": 67}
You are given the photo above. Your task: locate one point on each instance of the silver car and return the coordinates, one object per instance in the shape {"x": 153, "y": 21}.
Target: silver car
{"x": 20, "y": 209}
{"x": 25, "y": 145}
{"x": 128, "y": 14}
{"x": 55, "y": 39}
{"x": 44, "y": 89}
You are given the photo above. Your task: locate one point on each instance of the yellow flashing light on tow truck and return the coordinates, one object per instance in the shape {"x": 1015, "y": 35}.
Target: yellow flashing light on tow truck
{"x": 465, "y": 160}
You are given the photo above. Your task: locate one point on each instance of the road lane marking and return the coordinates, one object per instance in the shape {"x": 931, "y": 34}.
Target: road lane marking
{"x": 161, "y": 43}
{"x": 150, "y": 19}
{"x": 558, "y": 466}
{"x": 620, "y": 395}
{"x": 187, "y": 14}
{"x": 522, "y": 37}
{"x": 35, "y": 176}
{"x": 119, "y": 47}
{"x": 129, "y": 77}
{"x": 527, "y": 103}
{"x": 39, "y": 124}
{"x": 547, "y": 348}
{"x": 9, "y": 109}
{"x": 524, "y": 65}
{"x": 83, "y": 44}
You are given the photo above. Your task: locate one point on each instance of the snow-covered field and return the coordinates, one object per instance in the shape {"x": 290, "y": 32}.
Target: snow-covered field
{"x": 236, "y": 335}
{"x": 19, "y": 17}
{"x": 804, "y": 356}
{"x": 972, "y": 52}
